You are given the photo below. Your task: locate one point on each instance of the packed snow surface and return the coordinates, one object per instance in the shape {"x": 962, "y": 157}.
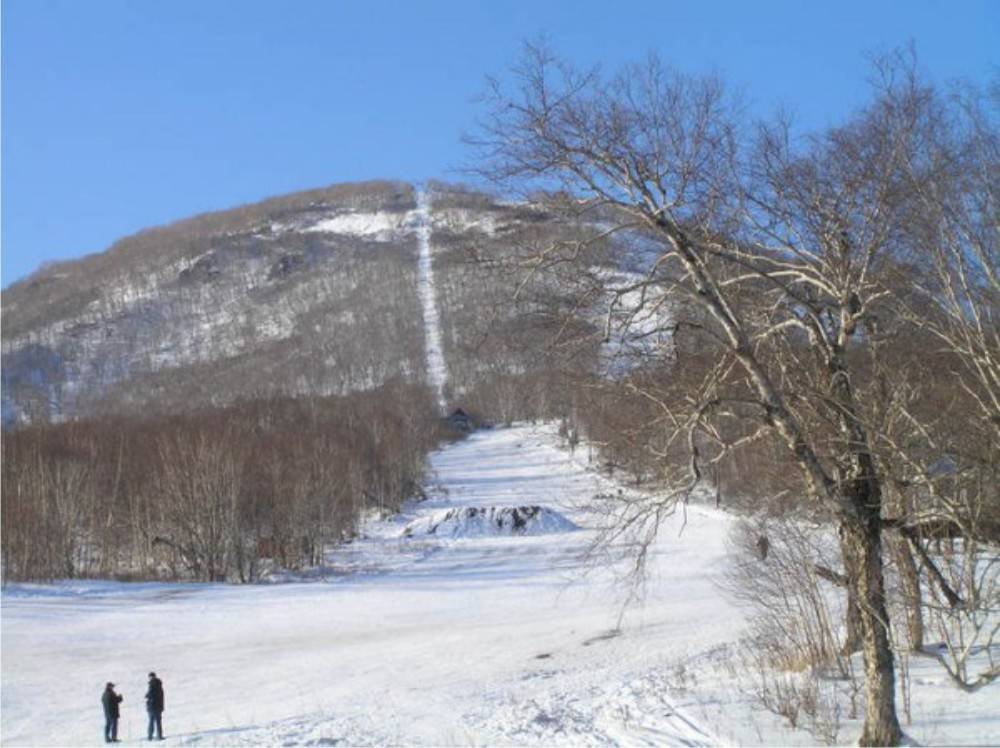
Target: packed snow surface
{"x": 496, "y": 639}
{"x": 437, "y": 372}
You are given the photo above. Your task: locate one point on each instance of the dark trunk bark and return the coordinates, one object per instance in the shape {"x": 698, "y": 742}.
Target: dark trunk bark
{"x": 861, "y": 541}
{"x": 853, "y": 636}
{"x": 863, "y": 536}
{"x": 909, "y": 581}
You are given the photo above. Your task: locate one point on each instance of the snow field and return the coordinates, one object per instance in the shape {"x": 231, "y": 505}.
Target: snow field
{"x": 492, "y": 639}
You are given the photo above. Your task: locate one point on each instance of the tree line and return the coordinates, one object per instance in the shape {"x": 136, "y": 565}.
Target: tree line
{"x": 216, "y": 494}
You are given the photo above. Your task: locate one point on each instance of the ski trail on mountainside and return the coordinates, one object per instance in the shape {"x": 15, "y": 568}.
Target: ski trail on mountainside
{"x": 437, "y": 372}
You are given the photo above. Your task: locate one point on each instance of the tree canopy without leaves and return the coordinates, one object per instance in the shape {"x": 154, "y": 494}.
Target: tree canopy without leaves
{"x": 791, "y": 260}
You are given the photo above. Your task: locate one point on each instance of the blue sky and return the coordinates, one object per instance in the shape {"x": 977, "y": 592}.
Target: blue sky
{"x": 122, "y": 114}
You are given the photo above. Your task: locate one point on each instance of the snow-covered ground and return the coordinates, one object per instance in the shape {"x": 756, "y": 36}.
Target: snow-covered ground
{"x": 470, "y": 636}
{"x": 437, "y": 372}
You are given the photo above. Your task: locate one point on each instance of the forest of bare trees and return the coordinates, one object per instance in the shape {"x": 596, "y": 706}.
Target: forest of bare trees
{"x": 834, "y": 334}
{"x": 214, "y": 495}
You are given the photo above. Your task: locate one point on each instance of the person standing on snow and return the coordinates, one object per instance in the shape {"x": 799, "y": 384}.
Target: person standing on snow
{"x": 154, "y": 707}
{"x": 110, "y": 701}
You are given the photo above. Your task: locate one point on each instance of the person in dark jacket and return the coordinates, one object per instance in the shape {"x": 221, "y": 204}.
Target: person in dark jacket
{"x": 154, "y": 707}
{"x": 110, "y": 701}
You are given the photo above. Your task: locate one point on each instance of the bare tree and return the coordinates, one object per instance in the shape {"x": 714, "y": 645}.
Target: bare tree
{"x": 785, "y": 250}
{"x": 215, "y": 494}
{"x": 941, "y": 440}
{"x": 198, "y": 489}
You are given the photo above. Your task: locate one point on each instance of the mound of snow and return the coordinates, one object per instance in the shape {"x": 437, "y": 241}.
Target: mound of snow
{"x": 471, "y": 521}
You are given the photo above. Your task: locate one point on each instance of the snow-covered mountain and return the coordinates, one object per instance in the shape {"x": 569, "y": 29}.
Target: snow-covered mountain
{"x": 321, "y": 292}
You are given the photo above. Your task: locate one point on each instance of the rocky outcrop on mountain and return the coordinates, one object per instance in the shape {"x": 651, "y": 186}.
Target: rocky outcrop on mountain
{"x": 309, "y": 293}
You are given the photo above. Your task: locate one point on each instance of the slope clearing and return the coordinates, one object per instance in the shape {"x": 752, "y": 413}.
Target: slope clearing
{"x": 424, "y": 638}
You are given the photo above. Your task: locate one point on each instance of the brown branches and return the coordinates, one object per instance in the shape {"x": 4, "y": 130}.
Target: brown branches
{"x": 789, "y": 258}
{"x": 213, "y": 495}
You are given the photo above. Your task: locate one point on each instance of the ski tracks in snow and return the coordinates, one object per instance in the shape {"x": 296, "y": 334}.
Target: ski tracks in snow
{"x": 637, "y": 712}
{"x": 437, "y": 371}
{"x": 569, "y": 713}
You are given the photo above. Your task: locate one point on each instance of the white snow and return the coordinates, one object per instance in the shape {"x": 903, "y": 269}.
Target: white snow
{"x": 496, "y": 639}
{"x": 381, "y": 225}
{"x": 437, "y": 371}
{"x": 389, "y": 225}
{"x": 474, "y": 521}
{"x": 460, "y": 219}
{"x": 637, "y": 321}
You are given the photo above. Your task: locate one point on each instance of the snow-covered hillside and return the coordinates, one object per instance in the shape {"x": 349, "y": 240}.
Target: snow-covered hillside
{"x": 464, "y": 637}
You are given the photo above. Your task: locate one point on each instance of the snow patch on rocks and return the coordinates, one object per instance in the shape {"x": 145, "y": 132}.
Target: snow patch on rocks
{"x": 454, "y": 219}
{"x": 377, "y": 226}
{"x": 380, "y": 224}
{"x": 473, "y": 521}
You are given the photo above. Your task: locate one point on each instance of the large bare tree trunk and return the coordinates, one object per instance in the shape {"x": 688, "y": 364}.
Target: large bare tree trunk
{"x": 861, "y": 542}
{"x": 853, "y": 634}
{"x": 863, "y": 536}
{"x": 909, "y": 580}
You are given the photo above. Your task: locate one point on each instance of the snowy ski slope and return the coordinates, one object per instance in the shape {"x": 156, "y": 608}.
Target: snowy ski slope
{"x": 425, "y": 639}
{"x": 437, "y": 372}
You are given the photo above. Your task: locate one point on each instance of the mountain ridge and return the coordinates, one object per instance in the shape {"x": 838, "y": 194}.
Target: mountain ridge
{"x": 316, "y": 292}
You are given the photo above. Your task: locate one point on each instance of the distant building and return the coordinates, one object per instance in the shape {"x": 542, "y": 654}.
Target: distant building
{"x": 459, "y": 420}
